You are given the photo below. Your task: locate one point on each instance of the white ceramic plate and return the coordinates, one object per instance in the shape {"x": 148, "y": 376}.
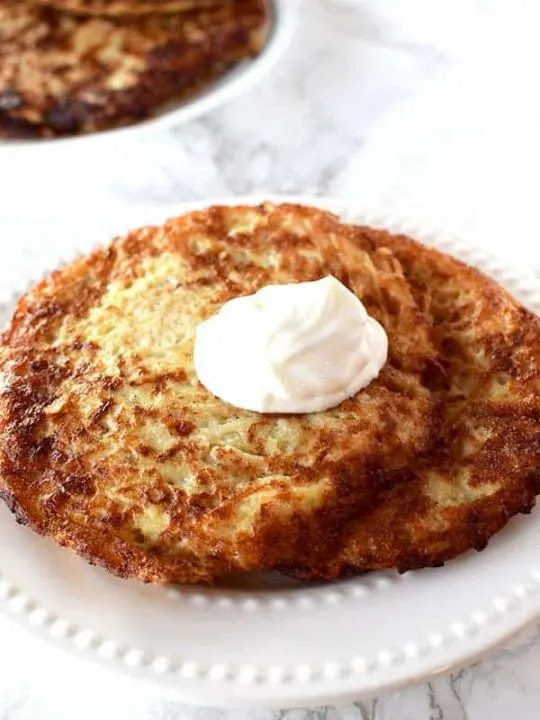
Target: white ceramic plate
{"x": 284, "y": 15}
{"x": 267, "y": 640}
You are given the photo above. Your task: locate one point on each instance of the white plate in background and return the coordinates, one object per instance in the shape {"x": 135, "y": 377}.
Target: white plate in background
{"x": 266, "y": 640}
{"x": 284, "y": 15}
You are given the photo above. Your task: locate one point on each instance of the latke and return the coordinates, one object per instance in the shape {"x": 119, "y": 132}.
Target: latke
{"x": 111, "y": 446}
{"x": 62, "y": 74}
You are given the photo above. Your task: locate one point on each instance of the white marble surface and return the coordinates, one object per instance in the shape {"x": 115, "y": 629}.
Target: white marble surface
{"x": 427, "y": 107}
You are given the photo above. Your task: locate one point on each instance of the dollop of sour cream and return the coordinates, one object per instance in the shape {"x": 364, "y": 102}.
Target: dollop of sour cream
{"x": 293, "y": 348}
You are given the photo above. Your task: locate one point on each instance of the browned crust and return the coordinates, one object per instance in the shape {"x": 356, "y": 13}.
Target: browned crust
{"x": 61, "y": 74}
{"x": 408, "y": 529}
{"x": 49, "y": 481}
{"x": 128, "y": 7}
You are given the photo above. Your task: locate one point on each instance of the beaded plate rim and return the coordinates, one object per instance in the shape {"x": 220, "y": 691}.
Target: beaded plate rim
{"x": 282, "y": 685}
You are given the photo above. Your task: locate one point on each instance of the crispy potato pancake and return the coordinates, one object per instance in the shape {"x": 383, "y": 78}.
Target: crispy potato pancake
{"x": 129, "y": 7}
{"x": 485, "y": 467}
{"x": 62, "y": 74}
{"x": 111, "y": 446}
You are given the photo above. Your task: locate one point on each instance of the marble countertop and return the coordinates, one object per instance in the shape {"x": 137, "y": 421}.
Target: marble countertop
{"x": 389, "y": 102}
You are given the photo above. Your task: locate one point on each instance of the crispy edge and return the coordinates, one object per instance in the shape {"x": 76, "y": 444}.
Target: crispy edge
{"x": 470, "y": 526}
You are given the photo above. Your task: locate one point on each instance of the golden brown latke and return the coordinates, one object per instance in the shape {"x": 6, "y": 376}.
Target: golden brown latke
{"x": 485, "y": 467}
{"x": 129, "y": 7}
{"x": 111, "y": 446}
{"x": 62, "y": 74}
